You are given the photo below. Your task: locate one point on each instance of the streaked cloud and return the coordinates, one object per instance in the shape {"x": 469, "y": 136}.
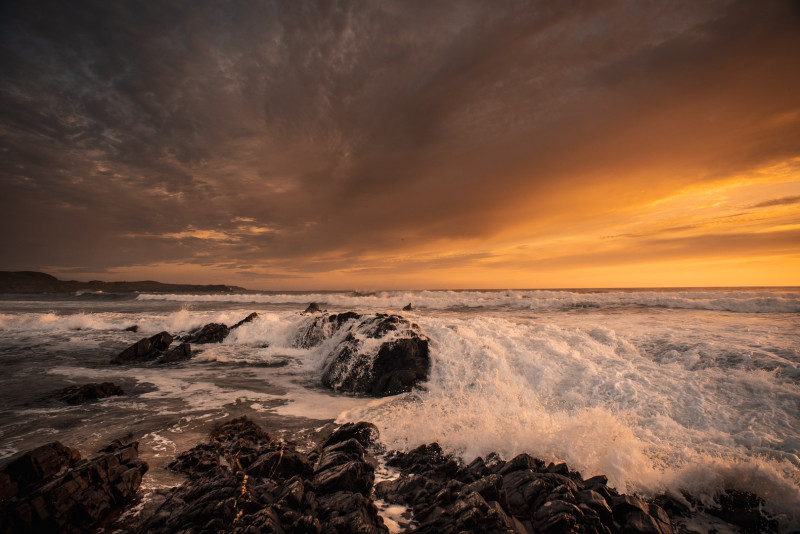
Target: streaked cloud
{"x": 316, "y": 142}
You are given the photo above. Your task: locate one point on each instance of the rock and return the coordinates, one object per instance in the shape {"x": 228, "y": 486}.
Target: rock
{"x": 242, "y": 481}
{"x": 146, "y": 349}
{"x": 743, "y": 509}
{"x": 522, "y": 495}
{"x": 134, "y": 328}
{"x": 349, "y": 512}
{"x": 50, "y": 489}
{"x": 355, "y": 476}
{"x": 365, "y": 433}
{"x": 210, "y": 333}
{"x": 177, "y": 354}
{"x": 407, "y": 307}
{"x": 312, "y": 308}
{"x": 247, "y": 319}
{"x": 89, "y": 392}
{"x": 354, "y": 366}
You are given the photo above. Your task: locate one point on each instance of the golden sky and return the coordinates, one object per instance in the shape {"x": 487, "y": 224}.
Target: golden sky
{"x": 395, "y": 144}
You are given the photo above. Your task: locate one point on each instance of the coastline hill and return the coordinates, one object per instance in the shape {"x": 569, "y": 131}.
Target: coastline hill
{"x": 36, "y": 282}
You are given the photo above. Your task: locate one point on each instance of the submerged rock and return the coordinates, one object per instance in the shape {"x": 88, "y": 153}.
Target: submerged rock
{"x": 50, "y": 489}
{"x": 250, "y": 318}
{"x": 377, "y": 355}
{"x": 210, "y": 333}
{"x": 242, "y": 480}
{"x": 312, "y": 308}
{"x": 216, "y": 332}
{"x": 89, "y": 392}
{"x": 145, "y": 350}
{"x": 177, "y": 354}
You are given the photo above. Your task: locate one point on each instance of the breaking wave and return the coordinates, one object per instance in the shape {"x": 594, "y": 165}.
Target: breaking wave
{"x": 741, "y": 301}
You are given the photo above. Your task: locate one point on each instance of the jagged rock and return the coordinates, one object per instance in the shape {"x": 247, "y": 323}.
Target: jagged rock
{"x": 242, "y": 480}
{"x": 247, "y": 319}
{"x": 144, "y": 350}
{"x": 89, "y": 392}
{"x": 312, "y": 308}
{"x": 396, "y": 365}
{"x": 743, "y": 509}
{"x": 365, "y": 433}
{"x": 522, "y": 495}
{"x": 210, "y": 333}
{"x": 177, "y": 354}
{"x": 407, "y": 307}
{"x": 50, "y": 489}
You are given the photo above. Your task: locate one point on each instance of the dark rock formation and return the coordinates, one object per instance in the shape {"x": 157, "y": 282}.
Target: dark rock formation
{"x": 407, "y": 307}
{"x": 522, "y": 495}
{"x": 312, "y": 308}
{"x": 242, "y": 480}
{"x": 177, "y": 354}
{"x": 145, "y": 350}
{"x": 215, "y": 332}
{"x": 134, "y": 328}
{"x": 89, "y": 392}
{"x": 50, "y": 489}
{"x": 210, "y": 333}
{"x": 392, "y": 367}
{"x": 247, "y": 319}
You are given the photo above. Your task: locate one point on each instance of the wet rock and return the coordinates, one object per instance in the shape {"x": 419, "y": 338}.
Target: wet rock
{"x": 522, "y": 495}
{"x": 355, "y": 476}
{"x": 50, "y": 489}
{"x": 743, "y": 509}
{"x": 144, "y": 350}
{"x": 89, "y": 392}
{"x": 394, "y": 366}
{"x": 407, "y": 307}
{"x": 177, "y": 354}
{"x": 250, "y": 318}
{"x": 365, "y": 433}
{"x": 312, "y": 308}
{"x": 242, "y": 480}
{"x": 134, "y": 328}
{"x": 210, "y": 333}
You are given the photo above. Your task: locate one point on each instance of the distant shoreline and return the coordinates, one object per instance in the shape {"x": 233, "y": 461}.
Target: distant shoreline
{"x": 37, "y": 282}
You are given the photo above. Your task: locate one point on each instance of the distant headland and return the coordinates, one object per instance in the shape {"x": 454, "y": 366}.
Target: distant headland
{"x": 36, "y": 282}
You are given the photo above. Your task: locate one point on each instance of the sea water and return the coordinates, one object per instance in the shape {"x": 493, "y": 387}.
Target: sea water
{"x": 660, "y": 390}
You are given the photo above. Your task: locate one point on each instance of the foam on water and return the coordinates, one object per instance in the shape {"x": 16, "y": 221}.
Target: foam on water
{"x": 589, "y": 397}
{"x": 753, "y": 301}
{"x": 656, "y": 390}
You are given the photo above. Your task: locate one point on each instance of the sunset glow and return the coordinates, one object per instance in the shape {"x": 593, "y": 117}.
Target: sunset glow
{"x": 397, "y": 146}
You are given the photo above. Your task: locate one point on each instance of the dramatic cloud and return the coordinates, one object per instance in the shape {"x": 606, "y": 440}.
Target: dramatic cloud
{"x": 328, "y": 144}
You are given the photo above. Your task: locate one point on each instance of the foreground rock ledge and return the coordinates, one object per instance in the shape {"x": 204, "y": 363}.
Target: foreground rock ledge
{"x": 243, "y": 481}
{"x": 521, "y": 495}
{"x": 51, "y": 489}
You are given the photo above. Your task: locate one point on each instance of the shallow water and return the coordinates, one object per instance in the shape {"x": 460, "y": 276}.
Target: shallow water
{"x": 695, "y": 390}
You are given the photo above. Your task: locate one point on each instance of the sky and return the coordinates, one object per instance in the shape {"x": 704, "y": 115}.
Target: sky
{"x": 402, "y": 144}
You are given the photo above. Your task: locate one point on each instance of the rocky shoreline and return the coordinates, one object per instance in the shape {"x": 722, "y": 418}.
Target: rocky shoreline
{"x": 243, "y": 481}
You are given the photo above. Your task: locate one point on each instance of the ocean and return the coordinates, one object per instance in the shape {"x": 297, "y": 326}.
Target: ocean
{"x": 681, "y": 390}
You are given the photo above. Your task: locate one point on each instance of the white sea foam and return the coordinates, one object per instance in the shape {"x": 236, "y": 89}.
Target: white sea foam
{"x": 589, "y": 397}
{"x": 654, "y": 389}
{"x": 754, "y": 301}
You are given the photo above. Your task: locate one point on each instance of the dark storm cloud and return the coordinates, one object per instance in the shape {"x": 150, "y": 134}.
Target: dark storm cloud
{"x": 310, "y": 134}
